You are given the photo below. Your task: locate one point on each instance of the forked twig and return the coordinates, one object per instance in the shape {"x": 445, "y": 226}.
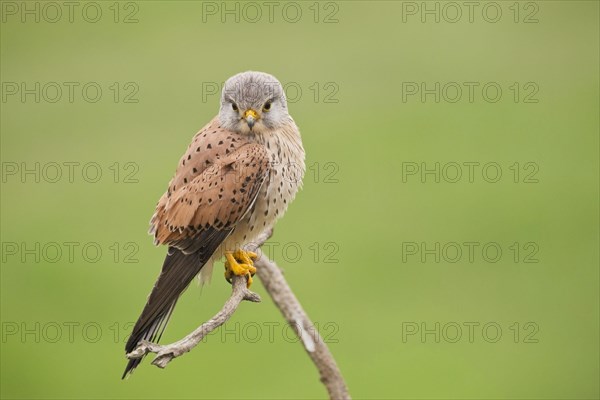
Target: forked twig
{"x": 290, "y": 308}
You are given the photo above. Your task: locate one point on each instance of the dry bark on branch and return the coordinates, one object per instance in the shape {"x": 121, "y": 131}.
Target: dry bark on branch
{"x": 290, "y": 308}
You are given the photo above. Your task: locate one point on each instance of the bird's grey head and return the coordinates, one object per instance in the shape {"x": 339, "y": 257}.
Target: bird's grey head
{"x": 253, "y": 102}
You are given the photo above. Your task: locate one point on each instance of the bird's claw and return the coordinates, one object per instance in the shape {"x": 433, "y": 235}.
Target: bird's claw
{"x": 239, "y": 263}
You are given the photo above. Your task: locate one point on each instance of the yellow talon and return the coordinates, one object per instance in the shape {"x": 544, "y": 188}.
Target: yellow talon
{"x": 247, "y": 257}
{"x": 240, "y": 263}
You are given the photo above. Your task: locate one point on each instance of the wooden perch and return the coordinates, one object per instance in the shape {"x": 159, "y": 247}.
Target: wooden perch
{"x": 290, "y": 308}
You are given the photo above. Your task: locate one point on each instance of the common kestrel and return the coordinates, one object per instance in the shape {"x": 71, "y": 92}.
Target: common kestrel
{"x": 236, "y": 178}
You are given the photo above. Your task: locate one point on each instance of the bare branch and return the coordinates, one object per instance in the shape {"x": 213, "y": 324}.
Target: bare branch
{"x": 290, "y": 308}
{"x": 292, "y": 311}
{"x": 166, "y": 353}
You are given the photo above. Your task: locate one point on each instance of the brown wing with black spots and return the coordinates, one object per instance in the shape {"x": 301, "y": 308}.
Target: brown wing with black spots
{"x": 217, "y": 181}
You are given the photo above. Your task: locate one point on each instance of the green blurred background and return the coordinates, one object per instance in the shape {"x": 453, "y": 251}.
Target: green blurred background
{"x": 348, "y": 240}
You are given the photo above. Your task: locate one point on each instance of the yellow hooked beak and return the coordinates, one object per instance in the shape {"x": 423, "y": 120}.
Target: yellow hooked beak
{"x": 251, "y": 117}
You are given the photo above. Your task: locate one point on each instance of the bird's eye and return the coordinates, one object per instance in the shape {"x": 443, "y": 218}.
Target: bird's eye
{"x": 267, "y": 106}
{"x": 234, "y": 106}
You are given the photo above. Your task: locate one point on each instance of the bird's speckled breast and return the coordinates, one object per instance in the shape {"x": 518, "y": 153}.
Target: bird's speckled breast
{"x": 279, "y": 189}
{"x": 277, "y": 192}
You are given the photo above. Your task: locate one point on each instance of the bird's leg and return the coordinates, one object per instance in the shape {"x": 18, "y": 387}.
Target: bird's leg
{"x": 240, "y": 262}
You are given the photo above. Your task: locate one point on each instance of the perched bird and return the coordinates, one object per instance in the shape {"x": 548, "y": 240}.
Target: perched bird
{"x": 235, "y": 180}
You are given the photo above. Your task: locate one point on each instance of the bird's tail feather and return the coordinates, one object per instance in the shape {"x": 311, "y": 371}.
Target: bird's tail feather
{"x": 178, "y": 271}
